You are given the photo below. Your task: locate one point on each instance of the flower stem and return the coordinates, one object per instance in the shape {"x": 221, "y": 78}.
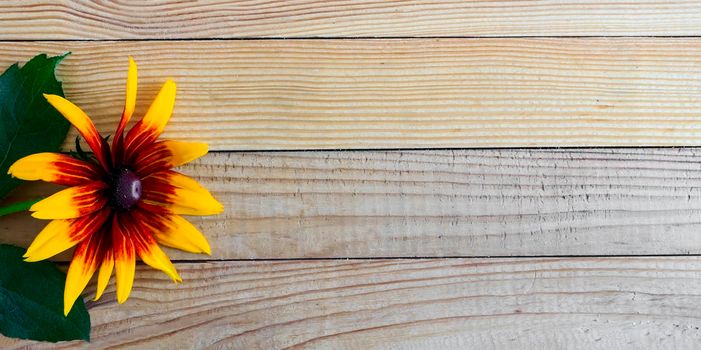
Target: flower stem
{"x": 17, "y": 207}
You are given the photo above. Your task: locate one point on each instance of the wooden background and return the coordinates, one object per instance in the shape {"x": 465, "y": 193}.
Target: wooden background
{"x": 405, "y": 174}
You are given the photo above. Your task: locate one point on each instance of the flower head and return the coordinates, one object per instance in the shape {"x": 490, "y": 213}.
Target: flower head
{"x": 121, "y": 204}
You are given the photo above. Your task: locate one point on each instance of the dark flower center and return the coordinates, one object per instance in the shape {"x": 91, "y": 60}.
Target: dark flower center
{"x": 126, "y": 188}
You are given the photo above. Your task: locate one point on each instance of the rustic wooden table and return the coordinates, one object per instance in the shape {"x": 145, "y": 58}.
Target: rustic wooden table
{"x": 392, "y": 171}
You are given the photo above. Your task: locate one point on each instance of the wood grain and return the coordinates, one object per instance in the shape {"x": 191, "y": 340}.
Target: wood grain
{"x": 602, "y": 303}
{"x": 417, "y": 74}
{"x": 53, "y": 19}
{"x": 442, "y": 203}
{"x": 355, "y": 94}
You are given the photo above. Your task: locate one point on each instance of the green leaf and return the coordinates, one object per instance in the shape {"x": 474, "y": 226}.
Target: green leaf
{"x": 31, "y": 301}
{"x": 28, "y": 124}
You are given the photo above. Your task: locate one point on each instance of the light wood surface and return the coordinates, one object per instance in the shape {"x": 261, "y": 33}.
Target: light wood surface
{"x": 442, "y": 203}
{"x": 594, "y": 303}
{"x": 354, "y": 94}
{"x": 452, "y": 249}
{"x": 53, "y": 19}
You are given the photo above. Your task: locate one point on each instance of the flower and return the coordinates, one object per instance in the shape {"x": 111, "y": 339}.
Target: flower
{"x": 122, "y": 203}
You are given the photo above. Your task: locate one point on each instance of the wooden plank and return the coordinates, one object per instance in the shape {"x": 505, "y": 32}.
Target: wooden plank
{"x": 355, "y": 94}
{"x": 84, "y": 19}
{"x": 600, "y": 303}
{"x": 443, "y": 203}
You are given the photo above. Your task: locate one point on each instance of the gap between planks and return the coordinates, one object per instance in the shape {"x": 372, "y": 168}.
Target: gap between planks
{"x": 457, "y": 203}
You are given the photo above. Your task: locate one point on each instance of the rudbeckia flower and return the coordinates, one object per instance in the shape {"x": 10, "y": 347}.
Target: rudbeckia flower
{"x": 122, "y": 203}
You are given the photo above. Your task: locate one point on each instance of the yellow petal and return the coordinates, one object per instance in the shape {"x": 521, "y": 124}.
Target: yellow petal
{"x": 80, "y": 272}
{"x": 55, "y": 168}
{"x": 124, "y": 262}
{"x": 193, "y": 199}
{"x": 55, "y": 238}
{"x": 82, "y": 122}
{"x": 73, "y": 114}
{"x": 61, "y": 235}
{"x": 130, "y": 101}
{"x": 152, "y": 255}
{"x": 184, "y": 152}
{"x": 104, "y": 275}
{"x": 179, "y": 193}
{"x": 72, "y": 202}
{"x": 161, "y": 109}
{"x": 129, "y": 105}
{"x": 164, "y": 155}
{"x": 155, "y": 120}
{"x": 181, "y": 234}
{"x": 125, "y": 270}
